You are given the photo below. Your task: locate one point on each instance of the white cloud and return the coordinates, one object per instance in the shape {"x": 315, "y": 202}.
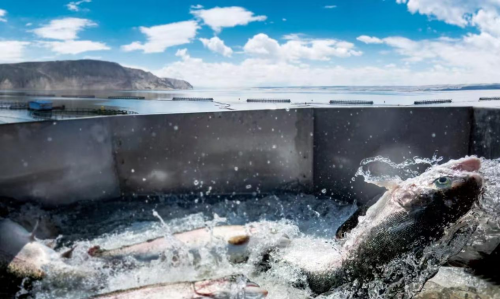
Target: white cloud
{"x": 12, "y": 51}
{"x": 370, "y": 40}
{"x": 75, "y": 5}
{"x": 455, "y": 12}
{"x": 3, "y": 13}
{"x": 161, "y": 37}
{"x": 487, "y": 22}
{"x": 264, "y": 72}
{"x": 298, "y": 48}
{"x": 29, "y": 24}
{"x": 217, "y": 45}
{"x": 224, "y": 17}
{"x": 74, "y": 46}
{"x": 197, "y": 6}
{"x": 330, "y": 6}
{"x": 63, "y": 29}
{"x": 474, "y": 52}
{"x": 284, "y": 20}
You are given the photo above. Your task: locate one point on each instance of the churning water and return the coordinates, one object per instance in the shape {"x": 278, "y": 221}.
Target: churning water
{"x": 309, "y": 222}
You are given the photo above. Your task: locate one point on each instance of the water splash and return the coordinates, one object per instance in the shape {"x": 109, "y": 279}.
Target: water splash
{"x": 391, "y": 171}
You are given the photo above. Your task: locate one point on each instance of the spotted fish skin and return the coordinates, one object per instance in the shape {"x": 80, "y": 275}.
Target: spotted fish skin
{"x": 408, "y": 216}
{"x": 235, "y": 286}
{"x": 238, "y": 239}
{"x": 413, "y": 213}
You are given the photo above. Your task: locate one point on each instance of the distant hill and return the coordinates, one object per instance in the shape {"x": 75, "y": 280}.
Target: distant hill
{"x": 82, "y": 75}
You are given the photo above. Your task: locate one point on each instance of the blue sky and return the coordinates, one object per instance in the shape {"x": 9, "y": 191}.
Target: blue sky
{"x": 255, "y": 43}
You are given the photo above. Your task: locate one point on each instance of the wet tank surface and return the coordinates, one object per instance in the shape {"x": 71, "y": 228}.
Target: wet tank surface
{"x": 292, "y": 225}
{"x": 250, "y": 204}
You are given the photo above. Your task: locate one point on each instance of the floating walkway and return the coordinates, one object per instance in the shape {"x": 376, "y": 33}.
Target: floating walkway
{"x": 194, "y": 99}
{"x": 78, "y": 96}
{"x": 40, "y": 95}
{"x": 126, "y": 98}
{"x": 350, "y": 102}
{"x": 268, "y": 101}
{"x": 430, "y": 102}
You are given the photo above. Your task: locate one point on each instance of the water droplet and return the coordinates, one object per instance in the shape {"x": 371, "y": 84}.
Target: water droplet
{"x": 249, "y": 186}
{"x": 235, "y": 168}
{"x": 176, "y": 128}
{"x": 143, "y": 179}
{"x": 196, "y": 183}
{"x": 433, "y": 135}
{"x": 132, "y": 170}
{"x": 323, "y": 191}
{"x": 274, "y": 146}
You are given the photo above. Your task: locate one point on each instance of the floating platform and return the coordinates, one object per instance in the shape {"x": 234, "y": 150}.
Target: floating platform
{"x": 268, "y": 101}
{"x": 430, "y": 102}
{"x": 193, "y": 99}
{"x": 40, "y": 105}
{"x": 40, "y": 95}
{"x": 78, "y": 96}
{"x": 349, "y": 102}
{"x": 126, "y": 98}
{"x": 12, "y": 93}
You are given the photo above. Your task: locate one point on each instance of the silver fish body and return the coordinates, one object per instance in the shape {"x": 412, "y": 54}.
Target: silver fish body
{"x": 236, "y": 286}
{"x": 238, "y": 241}
{"x": 410, "y": 215}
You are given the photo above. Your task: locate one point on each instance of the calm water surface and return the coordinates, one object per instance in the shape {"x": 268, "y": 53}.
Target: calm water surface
{"x": 235, "y": 99}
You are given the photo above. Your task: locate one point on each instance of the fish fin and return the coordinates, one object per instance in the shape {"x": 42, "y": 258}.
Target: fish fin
{"x": 68, "y": 254}
{"x": 32, "y": 236}
{"x": 348, "y": 225}
{"x": 353, "y": 221}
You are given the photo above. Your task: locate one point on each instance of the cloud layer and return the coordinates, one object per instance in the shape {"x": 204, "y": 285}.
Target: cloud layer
{"x": 298, "y": 48}
{"x": 3, "y": 13}
{"x": 217, "y": 45}
{"x": 63, "y": 29}
{"x": 161, "y": 37}
{"x": 12, "y": 51}
{"x": 224, "y": 17}
{"x": 74, "y": 46}
{"x": 75, "y": 5}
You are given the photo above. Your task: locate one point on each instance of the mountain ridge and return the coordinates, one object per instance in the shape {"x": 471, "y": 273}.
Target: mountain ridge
{"x": 86, "y": 74}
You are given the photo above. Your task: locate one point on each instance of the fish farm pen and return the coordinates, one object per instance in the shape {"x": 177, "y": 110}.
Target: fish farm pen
{"x": 343, "y": 102}
{"x": 273, "y": 186}
{"x": 193, "y": 99}
{"x": 268, "y": 101}
{"x": 428, "y": 102}
{"x": 44, "y": 110}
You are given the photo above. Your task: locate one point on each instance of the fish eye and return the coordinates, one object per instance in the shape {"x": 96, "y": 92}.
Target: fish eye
{"x": 442, "y": 182}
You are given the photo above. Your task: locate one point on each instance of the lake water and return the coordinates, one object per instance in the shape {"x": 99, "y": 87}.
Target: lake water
{"x": 235, "y": 99}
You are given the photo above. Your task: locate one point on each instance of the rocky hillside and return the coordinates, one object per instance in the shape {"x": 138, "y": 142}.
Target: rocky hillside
{"x": 82, "y": 75}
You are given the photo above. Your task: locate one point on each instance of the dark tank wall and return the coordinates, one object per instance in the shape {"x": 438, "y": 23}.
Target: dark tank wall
{"x": 58, "y": 162}
{"x": 243, "y": 152}
{"x": 485, "y": 138}
{"x": 210, "y": 153}
{"x": 346, "y": 136}
{"x": 215, "y": 153}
